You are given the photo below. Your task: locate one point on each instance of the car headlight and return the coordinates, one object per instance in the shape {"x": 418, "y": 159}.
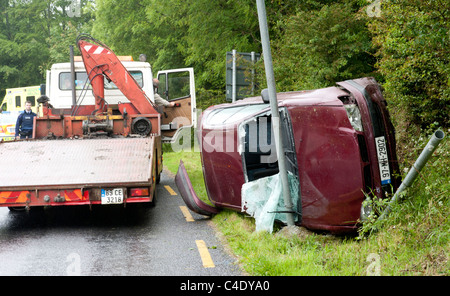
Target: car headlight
{"x": 354, "y": 116}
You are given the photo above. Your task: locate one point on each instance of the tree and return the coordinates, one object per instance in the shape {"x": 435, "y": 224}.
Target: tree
{"x": 22, "y": 47}
{"x": 64, "y": 23}
{"x": 177, "y": 34}
{"x": 318, "y": 48}
{"x": 216, "y": 27}
{"x": 34, "y": 34}
{"x": 414, "y": 58}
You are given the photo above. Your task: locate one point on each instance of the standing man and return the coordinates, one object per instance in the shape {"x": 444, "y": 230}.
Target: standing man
{"x": 24, "y": 124}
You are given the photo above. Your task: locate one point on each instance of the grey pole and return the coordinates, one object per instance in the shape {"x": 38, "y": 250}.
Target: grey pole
{"x": 72, "y": 77}
{"x": 274, "y": 108}
{"x": 253, "y": 72}
{"x": 431, "y": 146}
{"x": 233, "y": 78}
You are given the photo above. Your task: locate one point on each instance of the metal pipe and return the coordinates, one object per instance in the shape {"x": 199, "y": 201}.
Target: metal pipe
{"x": 233, "y": 78}
{"x": 72, "y": 77}
{"x": 253, "y": 71}
{"x": 274, "y": 109}
{"x": 436, "y": 138}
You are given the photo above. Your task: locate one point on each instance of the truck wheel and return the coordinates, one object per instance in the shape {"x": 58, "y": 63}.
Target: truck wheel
{"x": 16, "y": 209}
{"x": 158, "y": 173}
{"x": 155, "y": 172}
{"x": 153, "y": 202}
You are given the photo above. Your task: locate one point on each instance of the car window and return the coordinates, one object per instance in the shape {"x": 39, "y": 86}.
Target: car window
{"x": 137, "y": 75}
{"x": 81, "y": 79}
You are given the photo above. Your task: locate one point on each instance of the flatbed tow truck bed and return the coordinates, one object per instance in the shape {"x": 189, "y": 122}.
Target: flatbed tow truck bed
{"x": 77, "y": 169}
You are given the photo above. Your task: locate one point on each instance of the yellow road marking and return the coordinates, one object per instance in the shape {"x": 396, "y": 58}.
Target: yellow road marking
{"x": 170, "y": 190}
{"x": 186, "y": 214}
{"x": 204, "y": 254}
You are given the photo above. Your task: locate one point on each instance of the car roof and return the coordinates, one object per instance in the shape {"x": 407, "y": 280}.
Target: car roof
{"x": 325, "y": 96}
{"x": 232, "y": 113}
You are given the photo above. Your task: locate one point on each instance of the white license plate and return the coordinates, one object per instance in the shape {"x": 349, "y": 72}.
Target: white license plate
{"x": 112, "y": 196}
{"x": 383, "y": 161}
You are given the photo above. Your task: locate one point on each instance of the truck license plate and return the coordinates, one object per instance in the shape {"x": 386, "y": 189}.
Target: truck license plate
{"x": 383, "y": 161}
{"x": 112, "y": 196}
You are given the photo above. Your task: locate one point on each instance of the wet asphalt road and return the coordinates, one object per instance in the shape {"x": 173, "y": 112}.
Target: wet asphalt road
{"x": 109, "y": 241}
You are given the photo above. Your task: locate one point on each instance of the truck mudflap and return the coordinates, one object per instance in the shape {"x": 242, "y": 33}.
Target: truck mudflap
{"x": 189, "y": 196}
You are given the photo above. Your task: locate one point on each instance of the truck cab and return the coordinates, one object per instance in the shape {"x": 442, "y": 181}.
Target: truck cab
{"x": 177, "y": 86}
{"x": 59, "y": 89}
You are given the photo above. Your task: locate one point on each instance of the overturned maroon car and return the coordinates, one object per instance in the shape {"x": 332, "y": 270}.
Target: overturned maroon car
{"x": 339, "y": 145}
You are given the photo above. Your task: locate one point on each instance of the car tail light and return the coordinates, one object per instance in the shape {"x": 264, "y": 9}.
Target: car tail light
{"x": 139, "y": 192}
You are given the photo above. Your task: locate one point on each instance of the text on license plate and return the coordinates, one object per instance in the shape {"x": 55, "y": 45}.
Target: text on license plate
{"x": 383, "y": 160}
{"x": 112, "y": 196}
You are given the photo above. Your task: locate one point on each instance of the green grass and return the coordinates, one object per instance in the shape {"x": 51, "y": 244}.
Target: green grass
{"x": 192, "y": 162}
{"x": 413, "y": 240}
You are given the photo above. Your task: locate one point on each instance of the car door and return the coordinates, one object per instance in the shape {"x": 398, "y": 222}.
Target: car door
{"x": 177, "y": 86}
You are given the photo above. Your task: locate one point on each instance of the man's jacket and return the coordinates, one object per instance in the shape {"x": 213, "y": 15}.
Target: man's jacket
{"x": 24, "y": 124}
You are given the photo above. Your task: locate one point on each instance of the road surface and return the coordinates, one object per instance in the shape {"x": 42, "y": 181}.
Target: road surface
{"x": 113, "y": 241}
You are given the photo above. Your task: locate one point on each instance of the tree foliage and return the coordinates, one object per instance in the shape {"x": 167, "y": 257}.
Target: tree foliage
{"x": 413, "y": 44}
{"x": 315, "y": 43}
{"x": 318, "y": 47}
{"x": 176, "y": 33}
{"x": 34, "y": 34}
{"x": 21, "y": 44}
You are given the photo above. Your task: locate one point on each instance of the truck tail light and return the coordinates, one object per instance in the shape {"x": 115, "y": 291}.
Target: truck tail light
{"x": 139, "y": 192}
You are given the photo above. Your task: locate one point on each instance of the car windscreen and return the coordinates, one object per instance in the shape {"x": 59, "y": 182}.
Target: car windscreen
{"x": 233, "y": 114}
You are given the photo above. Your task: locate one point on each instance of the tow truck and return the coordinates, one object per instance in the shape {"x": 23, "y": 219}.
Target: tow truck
{"x": 98, "y": 135}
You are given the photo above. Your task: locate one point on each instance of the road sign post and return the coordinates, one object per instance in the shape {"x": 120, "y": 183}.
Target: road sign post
{"x": 274, "y": 108}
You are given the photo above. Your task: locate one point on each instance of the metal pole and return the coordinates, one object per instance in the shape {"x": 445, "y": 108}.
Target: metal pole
{"x": 436, "y": 138}
{"x": 233, "y": 80}
{"x": 72, "y": 77}
{"x": 274, "y": 108}
{"x": 253, "y": 71}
